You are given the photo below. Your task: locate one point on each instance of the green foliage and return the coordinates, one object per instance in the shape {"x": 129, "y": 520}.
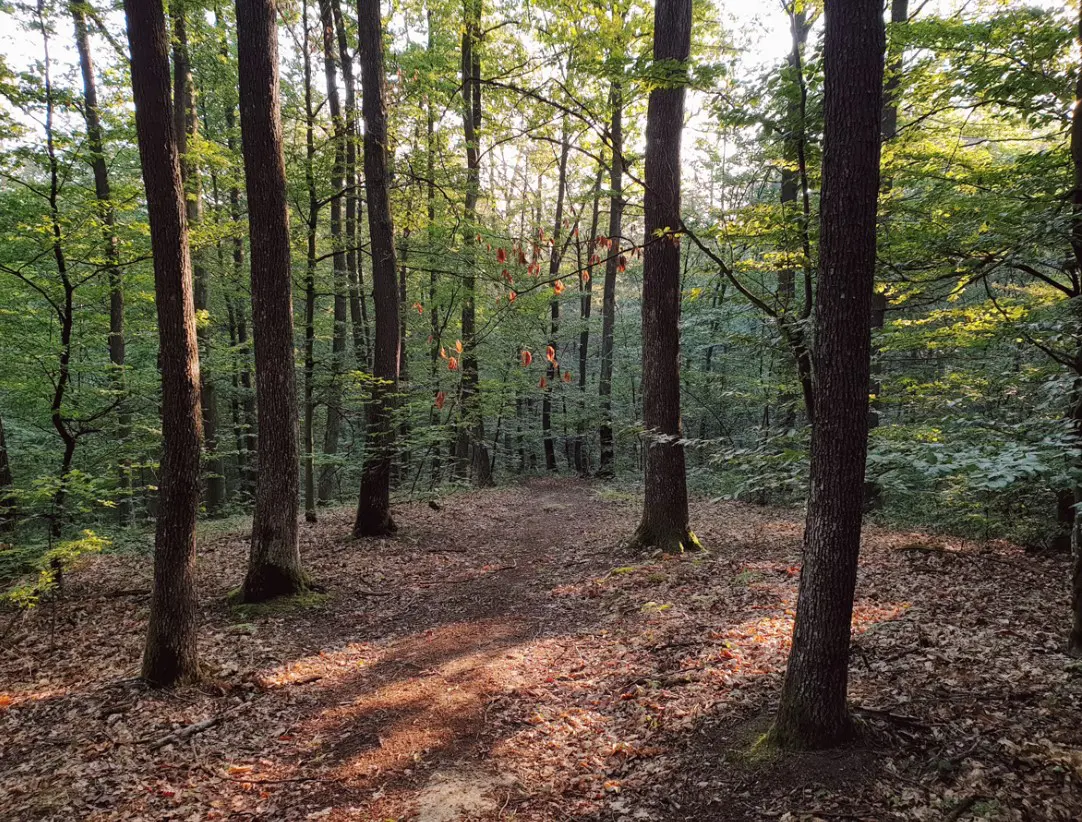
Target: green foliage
{"x": 46, "y": 567}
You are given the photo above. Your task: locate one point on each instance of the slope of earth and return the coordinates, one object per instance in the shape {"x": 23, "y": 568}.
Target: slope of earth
{"x": 504, "y": 658}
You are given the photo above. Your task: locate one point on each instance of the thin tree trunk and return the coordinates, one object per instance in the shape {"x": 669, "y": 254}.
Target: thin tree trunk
{"x": 171, "y": 656}
{"x": 813, "y": 711}
{"x": 374, "y": 505}
{"x": 66, "y": 308}
{"x": 607, "y": 459}
{"x": 333, "y": 398}
{"x": 186, "y": 127}
{"x": 433, "y": 306}
{"x": 1074, "y": 646}
{"x": 250, "y": 450}
{"x": 665, "y": 506}
{"x": 274, "y": 567}
{"x": 471, "y": 453}
{"x": 8, "y": 505}
{"x": 586, "y": 287}
{"x": 554, "y": 305}
{"x": 309, "y": 282}
{"x": 107, "y": 215}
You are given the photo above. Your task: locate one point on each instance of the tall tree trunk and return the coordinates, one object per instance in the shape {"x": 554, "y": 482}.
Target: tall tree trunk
{"x": 333, "y": 397}
{"x": 250, "y": 457}
{"x": 186, "y": 127}
{"x": 1074, "y": 646}
{"x": 607, "y": 460}
{"x": 65, "y": 309}
{"x": 374, "y": 505}
{"x": 170, "y": 657}
{"x": 665, "y": 507}
{"x": 471, "y": 453}
{"x": 274, "y": 567}
{"x": 8, "y": 505}
{"x": 554, "y": 305}
{"x": 813, "y": 711}
{"x": 107, "y": 215}
{"x": 586, "y": 288}
{"x": 309, "y": 281}
{"x": 794, "y": 187}
{"x": 433, "y": 306}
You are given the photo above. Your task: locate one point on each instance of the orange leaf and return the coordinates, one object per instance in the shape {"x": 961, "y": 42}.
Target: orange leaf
{"x": 420, "y": 308}
{"x": 543, "y": 383}
{"x": 507, "y": 276}
{"x": 458, "y": 346}
{"x": 511, "y": 296}
{"x": 443, "y": 353}
{"x": 585, "y": 277}
{"x": 452, "y": 364}
{"x": 558, "y": 287}
{"x": 441, "y": 398}
{"x": 527, "y": 358}
{"x": 501, "y": 255}
{"x": 567, "y": 376}
{"x": 550, "y": 354}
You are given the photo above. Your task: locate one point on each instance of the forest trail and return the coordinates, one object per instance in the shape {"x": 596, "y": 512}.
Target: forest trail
{"x": 505, "y": 658}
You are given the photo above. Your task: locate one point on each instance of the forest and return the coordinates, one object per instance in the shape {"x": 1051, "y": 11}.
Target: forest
{"x": 541, "y": 410}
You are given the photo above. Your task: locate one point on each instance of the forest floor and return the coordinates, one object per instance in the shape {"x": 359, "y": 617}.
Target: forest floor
{"x": 504, "y": 658}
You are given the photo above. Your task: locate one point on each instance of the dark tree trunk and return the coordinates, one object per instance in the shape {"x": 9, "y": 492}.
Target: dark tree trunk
{"x": 471, "y": 453}
{"x": 374, "y": 506}
{"x": 1075, "y": 641}
{"x": 586, "y": 293}
{"x": 554, "y": 306}
{"x": 107, "y": 214}
{"x": 433, "y": 307}
{"x": 8, "y": 506}
{"x": 607, "y": 458}
{"x": 665, "y": 507}
{"x": 794, "y": 187}
{"x": 274, "y": 567}
{"x": 170, "y": 656}
{"x": 186, "y": 126}
{"x": 333, "y": 397}
{"x": 309, "y": 282}
{"x": 813, "y": 711}
{"x": 249, "y": 453}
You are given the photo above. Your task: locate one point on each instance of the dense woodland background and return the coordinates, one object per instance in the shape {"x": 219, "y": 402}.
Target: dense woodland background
{"x": 974, "y": 362}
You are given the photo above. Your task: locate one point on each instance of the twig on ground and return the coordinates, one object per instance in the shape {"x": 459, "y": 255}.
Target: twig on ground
{"x": 196, "y": 728}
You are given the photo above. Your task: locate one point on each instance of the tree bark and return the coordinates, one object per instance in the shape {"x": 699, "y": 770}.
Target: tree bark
{"x": 607, "y": 458}
{"x": 586, "y": 293}
{"x": 170, "y": 656}
{"x": 665, "y": 507}
{"x": 374, "y": 505}
{"x": 309, "y": 281}
{"x": 813, "y": 711}
{"x": 333, "y": 397}
{"x": 1074, "y": 645}
{"x": 107, "y": 214}
{"x": 554, "y": 305}
{"x": 471, "y": 453}
{"x": 186, "y": 127}
{"x": 274, "y": 566}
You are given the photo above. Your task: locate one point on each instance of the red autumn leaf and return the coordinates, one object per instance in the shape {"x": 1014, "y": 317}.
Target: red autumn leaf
{"x": 567, "y": 376}
{"x": 441, "y": 398}
{"x": 507, "y": 276}
{"x": 558, "y": 286}
{"x": 452, "y": 364}
{"x": 511, "y": 296}
{"x": 458, "y": 346}
{"x": 543, "y": 383}
{"x": 594, "y": 259}
{"x": 621, "y": 264}
{"x": 585, "y": 277}
{"x": 443, "y": 353}
{"x": 501, "y": 255}
{"x": 550, "y": 354}
{"x": 526, "y": 358}
{"x": 521, "y": 257}
{"x": 420, "y": 308}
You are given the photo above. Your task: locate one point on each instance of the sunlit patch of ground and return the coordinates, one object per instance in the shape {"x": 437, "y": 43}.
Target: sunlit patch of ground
{"x": 505, "y": 659}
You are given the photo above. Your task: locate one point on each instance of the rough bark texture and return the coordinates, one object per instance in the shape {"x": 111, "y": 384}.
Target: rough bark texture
{"x": 107, "y": 215}
{"x": 813, "y": 711}
{"x": 186, "y": 126}
{"x": 581, "y": 454}
{"x": 274, "y": 567}
{"x": 607, "y": 459}
{"x": 665, "y": 506}
{"x": 374, "y": 505}
{"x": 170, "y": 655}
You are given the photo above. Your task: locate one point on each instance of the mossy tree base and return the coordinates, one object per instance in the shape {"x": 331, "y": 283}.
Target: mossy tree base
{"x": 270, "y": 582}
{"x": 667, "y": 541}
{"x": 795, "y": 730}
{"x": 374, "y": 527}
